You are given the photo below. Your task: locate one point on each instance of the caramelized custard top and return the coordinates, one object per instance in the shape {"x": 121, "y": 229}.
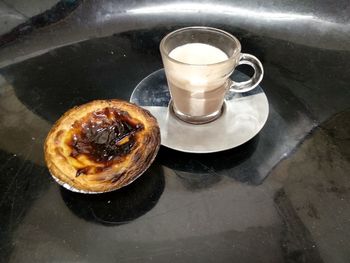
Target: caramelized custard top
{"x": 104, "y": 137}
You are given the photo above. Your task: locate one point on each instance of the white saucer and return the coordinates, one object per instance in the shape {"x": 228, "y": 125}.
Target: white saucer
{"x": 243, "y": 117}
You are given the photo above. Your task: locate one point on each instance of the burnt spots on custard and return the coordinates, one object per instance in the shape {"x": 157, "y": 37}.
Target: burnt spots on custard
{"x": 104, "y": 136}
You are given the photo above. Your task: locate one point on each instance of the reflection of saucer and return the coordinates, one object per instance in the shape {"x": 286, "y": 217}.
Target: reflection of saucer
{"x": 122, "y": 206}
{"x": 197, "y": 171}
{"x": 207, "y": 163}
{"x": 243, "y": 117}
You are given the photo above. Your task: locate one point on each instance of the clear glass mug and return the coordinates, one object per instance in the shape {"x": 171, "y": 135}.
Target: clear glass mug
{"x": 198, "y": 90}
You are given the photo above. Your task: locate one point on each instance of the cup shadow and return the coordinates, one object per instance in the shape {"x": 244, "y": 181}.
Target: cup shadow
{"x": 121, "y": 206}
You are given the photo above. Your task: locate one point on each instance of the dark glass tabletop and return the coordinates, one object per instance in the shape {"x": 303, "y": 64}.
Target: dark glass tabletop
{"x": 281, "y": 197}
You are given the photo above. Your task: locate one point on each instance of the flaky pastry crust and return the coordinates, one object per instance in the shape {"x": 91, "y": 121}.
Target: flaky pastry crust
{"x": 101, "y": 176}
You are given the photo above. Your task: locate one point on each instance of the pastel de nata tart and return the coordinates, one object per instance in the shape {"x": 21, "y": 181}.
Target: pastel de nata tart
{"x": 101, "y": 146}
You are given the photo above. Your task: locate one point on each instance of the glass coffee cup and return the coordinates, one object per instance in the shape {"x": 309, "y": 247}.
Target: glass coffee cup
{"x": 198, "y": 63}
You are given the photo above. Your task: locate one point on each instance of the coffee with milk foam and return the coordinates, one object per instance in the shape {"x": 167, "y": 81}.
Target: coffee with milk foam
{"x": 196, "y": 88}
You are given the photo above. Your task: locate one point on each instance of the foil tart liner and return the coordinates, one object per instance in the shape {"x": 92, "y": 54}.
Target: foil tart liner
{"x": 73, "y": 189}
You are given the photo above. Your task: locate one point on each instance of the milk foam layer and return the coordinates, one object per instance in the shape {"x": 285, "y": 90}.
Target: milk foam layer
{"x": 198, "y": 54}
